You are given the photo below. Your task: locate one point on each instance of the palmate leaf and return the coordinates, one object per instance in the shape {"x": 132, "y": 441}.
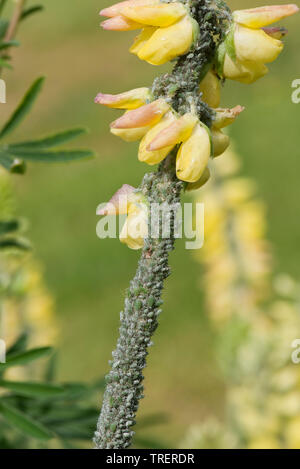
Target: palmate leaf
{"x": 24, "y": 423}
{"x": 23, "y": 358}
{"x": 23, "y": 109}
{"x": 39, "y": 390}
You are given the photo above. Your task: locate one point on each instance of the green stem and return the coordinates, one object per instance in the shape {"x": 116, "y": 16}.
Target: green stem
{"x": 139, "y": 319}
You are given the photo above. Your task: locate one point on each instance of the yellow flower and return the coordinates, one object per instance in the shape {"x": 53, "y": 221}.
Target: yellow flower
{"x": 135, "y": 229}
{"x": 152, "y": 157}
{"x": 223, "y": 118}
{"x": 126, "y": 201}
{"x": 193, "y": 186}
{"x": 221, "y": 142}
{"x": 149, "y": 114}
{"x": 249, "y": 46}
{"x": 210, "y": 87}
{"x": 263, "y": 16}
{"x": 193, "y": 155}
{"x": 129, "y": 100}
{"x": 168, "y": 30}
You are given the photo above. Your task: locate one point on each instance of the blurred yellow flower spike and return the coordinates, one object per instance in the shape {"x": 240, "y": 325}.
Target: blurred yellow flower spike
{"x": 135, "y": 229}
{"x": 210, "y": 87}
{"x": 163, "y": 14}
{"x": 167, "y": 43}
{"x": 149, "y": 114}
{"x": 263, "y": 16}
{"x": 129, "y": 100}
{"x": 193, "y": 155}
{"x": 249, "y": 45}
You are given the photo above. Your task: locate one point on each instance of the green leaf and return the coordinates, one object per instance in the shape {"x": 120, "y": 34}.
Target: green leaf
{"x": 18, "y": 346}
{"x": 7, "y": 44}
{"x": 32, "y": 389}
{"x": 24, "y": 107}
{"x": 12, "y": 164}
{"x": 58, "y": 156}
{"x": 24, "y": 423}
{"x": 19, "y": 359}
{"x": 51, "y": 141}
{"x": 30, "y": 11}
{"x": 5, "y": 64}
{"x": 8, "y": 226}
{"x": 3, "y": 27}
{"x": 14, "y": 243}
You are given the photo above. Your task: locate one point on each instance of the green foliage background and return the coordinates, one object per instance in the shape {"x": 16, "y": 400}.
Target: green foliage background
{"x": 88, "y": 276}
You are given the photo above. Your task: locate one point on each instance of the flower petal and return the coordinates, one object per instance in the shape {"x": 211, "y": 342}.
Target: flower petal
{"x": 141, "y": 39}
{"x": 167, "y": 43}
{"x": 244, "y": 72}
{"x": 130, "y": 135}
{"x": 116, "y": 10}
{"x": 129, "y": 100}
{"x": 149, "y": 114}
{"x": 175, "y": 133}
{"x": 193, "y": 155}
{"x": 154, "y": 157}
{"x": 221, "y": 142}
{"x": 193, "y": 186}
{"x": 161, "y": 15}
{"x": 225, "y": 117}
{"x": 210, "y": 87}
{"x": 118, "y": 204}
{"x": 263, "y": 16}
{"x": 120, "y": 23}
{"x": 255, "y": 45}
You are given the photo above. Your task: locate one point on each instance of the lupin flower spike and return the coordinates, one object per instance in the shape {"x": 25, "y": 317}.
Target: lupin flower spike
{"x": 179, "y": 125}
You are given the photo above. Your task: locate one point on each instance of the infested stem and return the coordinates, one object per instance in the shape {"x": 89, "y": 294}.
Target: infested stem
{"x": 139, "y": 319}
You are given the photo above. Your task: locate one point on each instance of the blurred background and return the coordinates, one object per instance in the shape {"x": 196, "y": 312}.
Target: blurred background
{"x": 87, "y": 276}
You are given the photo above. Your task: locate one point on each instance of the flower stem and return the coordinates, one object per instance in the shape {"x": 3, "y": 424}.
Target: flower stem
{"x": 139, "y": 319}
